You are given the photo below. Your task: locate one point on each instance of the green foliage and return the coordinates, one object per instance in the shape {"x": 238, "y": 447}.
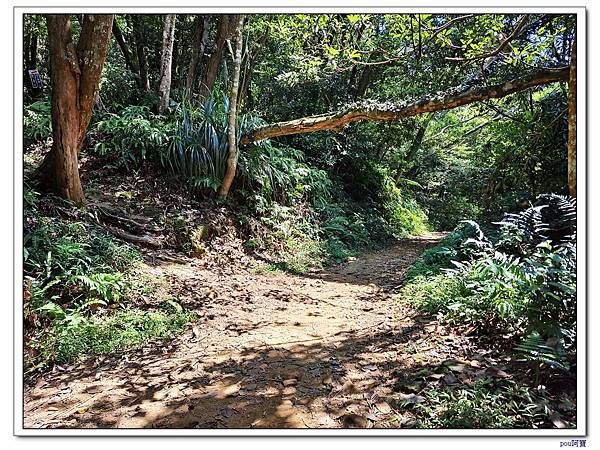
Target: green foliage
{"x": 534, "y": 349}
{"x": 198, "y": 148}
{"x": 77, "y": 280}
{"x": 486, "y": 404}
{"x": 57, "y": 249}
{"x": 132, "y": 136}
{"x": 107, "y": 287}
{"x": 70, "y": 263}
{"x": 279, "y": 174}
{"x": 74, "y": 334}
{"x": 466, "y": 241}
{"x": 402, "y": 212}
{"x": 530, "y": 293}
{"x": 37, "y": 121}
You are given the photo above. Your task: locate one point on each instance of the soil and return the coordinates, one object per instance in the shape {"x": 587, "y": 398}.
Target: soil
{"x": 321, "y": 350}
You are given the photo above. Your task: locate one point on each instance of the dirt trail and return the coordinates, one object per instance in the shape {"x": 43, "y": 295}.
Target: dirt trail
{"x": 271, "y": 350}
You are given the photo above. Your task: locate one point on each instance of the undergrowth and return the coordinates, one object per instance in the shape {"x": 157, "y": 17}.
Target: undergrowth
{"x": 485, "y": 404}
{"x": 78, "y": 283}
{"x": 522, "y": 284}
{"x": 76, "y": 334}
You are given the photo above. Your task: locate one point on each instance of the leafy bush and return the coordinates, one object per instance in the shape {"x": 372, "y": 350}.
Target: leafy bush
{"x": 530, "y": 293}
{"x": 463, "y": 243}
{"x": 373, "y": 186}
{"x": 37, "y": 121}
{"x": 402, "y": 212}
{"x": 132, "y": 136}
{"x": 279, "y": 174}
{"x": 70, "y": 262}
{"x": 76, "y": 281}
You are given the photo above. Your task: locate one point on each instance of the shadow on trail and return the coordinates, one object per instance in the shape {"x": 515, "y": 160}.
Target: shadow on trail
{"x": 264, "y": 387}
{"x": 237, "y": 382}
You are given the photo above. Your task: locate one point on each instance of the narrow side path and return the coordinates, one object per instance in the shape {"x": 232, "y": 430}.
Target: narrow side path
{"x": 271, "y": 350}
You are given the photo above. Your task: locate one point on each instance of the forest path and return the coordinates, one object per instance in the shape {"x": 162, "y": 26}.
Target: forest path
{"x": 323, "y": 350}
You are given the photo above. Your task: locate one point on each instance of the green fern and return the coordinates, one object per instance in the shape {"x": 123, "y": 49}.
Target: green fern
{"x": 536, "y": 350}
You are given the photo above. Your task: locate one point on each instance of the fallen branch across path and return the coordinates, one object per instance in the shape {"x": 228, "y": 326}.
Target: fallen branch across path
{"x": 389, "y": 111}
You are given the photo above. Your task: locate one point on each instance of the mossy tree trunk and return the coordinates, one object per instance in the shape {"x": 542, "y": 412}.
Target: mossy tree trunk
{"x": 388, "y": 111}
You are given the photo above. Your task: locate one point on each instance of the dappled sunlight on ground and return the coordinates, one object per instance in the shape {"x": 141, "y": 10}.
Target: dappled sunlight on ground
{"x": 267, "y": 350}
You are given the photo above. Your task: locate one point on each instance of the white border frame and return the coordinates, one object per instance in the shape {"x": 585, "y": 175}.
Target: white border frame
{"x": 582, "y": 404}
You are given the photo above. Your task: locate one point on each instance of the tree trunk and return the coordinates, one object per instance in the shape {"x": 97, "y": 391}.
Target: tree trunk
{"x": 246, "y": 101}
{"x": 364, "y": 82}
{"x": 199, "y": 43}
{"x": 415, "y": 145}
{"x": 92, "y": 50}
{"x": 129, "y": 60}
{"x": 141, "y": 53}
{"x": 225, "y": 75}
{"x": 388, "y": 111}
{"x": 164, "y": 87}
{"x": 75, "y": 74}
{"x": 226, "y": 24}
{"x": 245, "y": 93}
{"x": 231, "y": 123}
{"x": 572, "y": 127}
{"x": 174, "y": 65}
{"x": 32, "y": 57}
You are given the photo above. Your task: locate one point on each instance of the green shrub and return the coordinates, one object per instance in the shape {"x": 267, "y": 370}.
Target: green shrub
{"x": 71, "y": 261}
{"x": 279, "y": 174}
{"x": 198, "y": 147}
{"x": 465, "y": 242}
{"x": 529, "y": 293}
{"x": 132, "y": 136}
{"x": 402, "y": 212}
{"x": 37, "y": 121}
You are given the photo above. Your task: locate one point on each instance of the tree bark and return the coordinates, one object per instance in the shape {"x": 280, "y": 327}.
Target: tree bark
{"x": 226, "y": 24}
{"x": 232, "y": 156}
{"x": 129, "y": 60}
{"x": 389, "y": 111}
{"x": 415, "y": 145}
{"x": 164, "y": 87}
{"x": 75, "y": 74}
{"x": 246, "y": 101}
{"x": 364, "y": 82}
{"x": 199, "y": 43}
{"x": 92, "y": 50}
{"x": 572, "y": 125}
{"x": 175, "y": 62}
{"x": 31, "y": 55}
{"x": 141, "y": 53}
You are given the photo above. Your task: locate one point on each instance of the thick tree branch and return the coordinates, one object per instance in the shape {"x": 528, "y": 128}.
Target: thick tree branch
{"x": 395, "y": 111}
